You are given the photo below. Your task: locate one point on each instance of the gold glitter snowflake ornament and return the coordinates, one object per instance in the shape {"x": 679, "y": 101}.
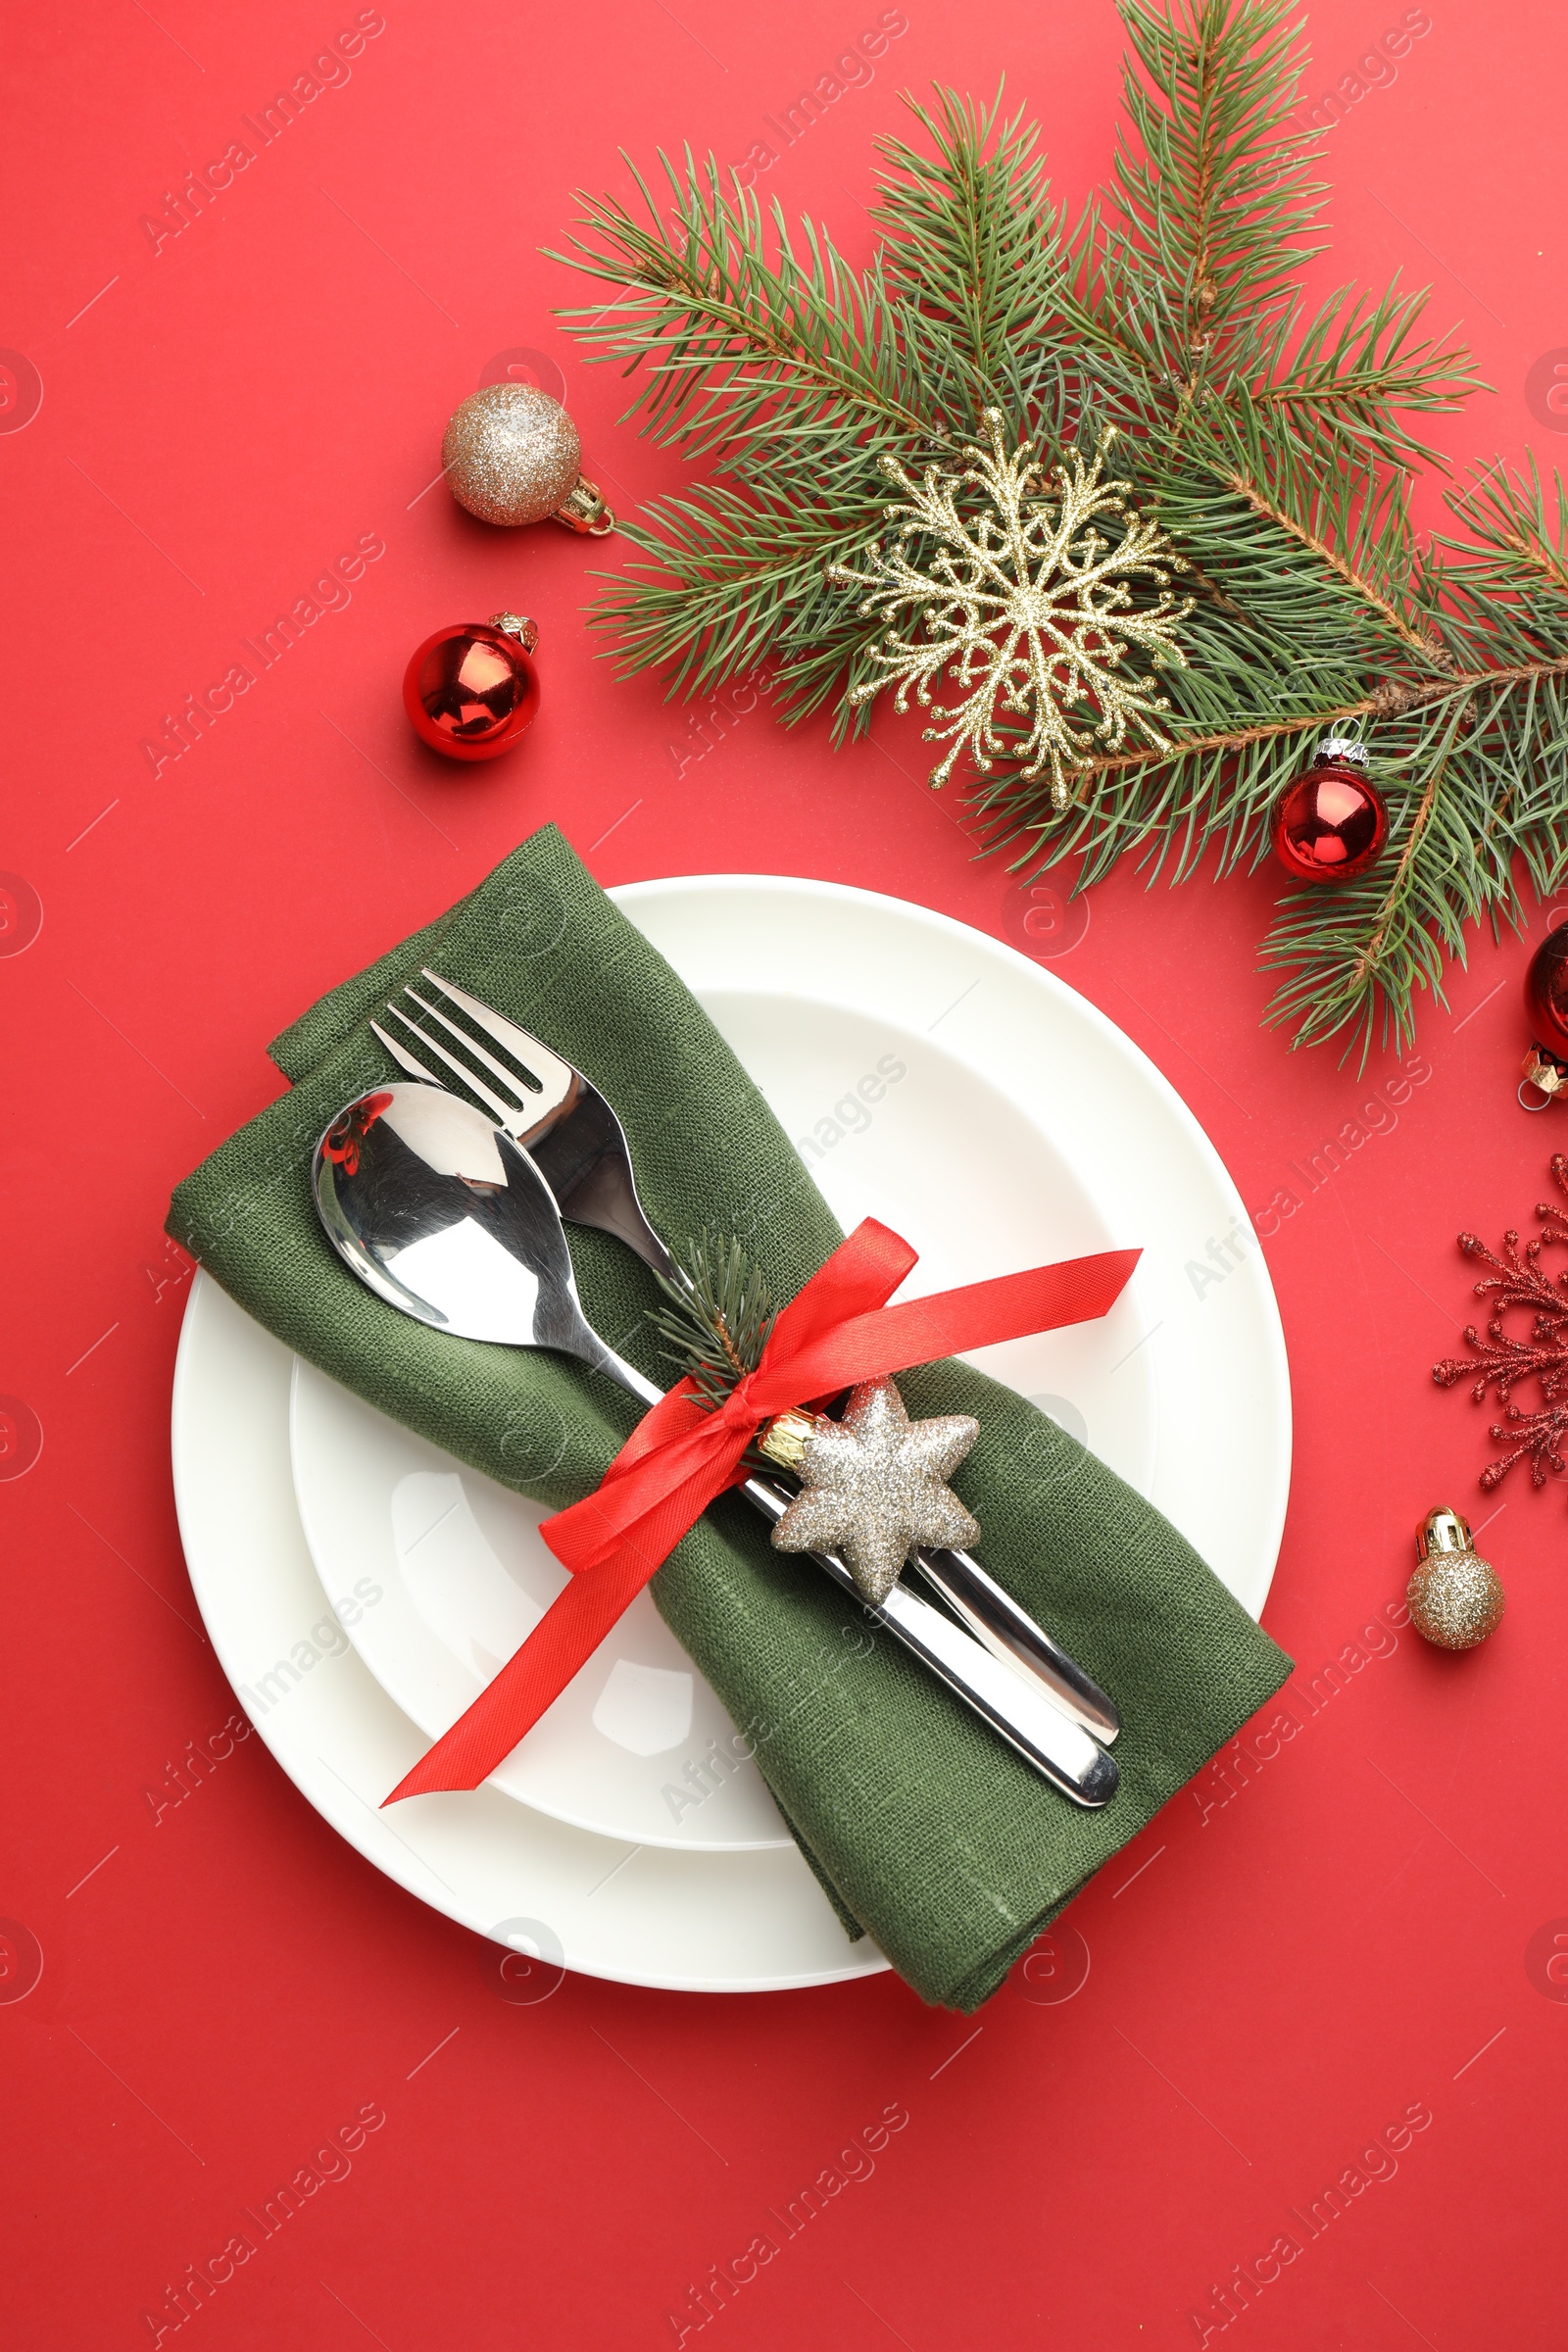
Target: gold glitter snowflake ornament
{"x": 1027, "y": 606}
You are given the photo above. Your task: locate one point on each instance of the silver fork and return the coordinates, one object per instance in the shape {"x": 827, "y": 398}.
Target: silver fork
{"x": 572, "y": 1135}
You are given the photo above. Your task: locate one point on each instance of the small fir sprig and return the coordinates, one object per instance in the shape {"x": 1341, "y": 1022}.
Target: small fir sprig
{"x": 717, "y": 1314}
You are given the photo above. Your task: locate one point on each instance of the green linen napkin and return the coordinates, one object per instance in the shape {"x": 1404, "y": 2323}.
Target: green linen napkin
{"x": 928, "y": 1830}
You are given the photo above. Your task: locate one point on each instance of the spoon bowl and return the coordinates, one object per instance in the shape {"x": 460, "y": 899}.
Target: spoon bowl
{"x": 440, "y": 1213}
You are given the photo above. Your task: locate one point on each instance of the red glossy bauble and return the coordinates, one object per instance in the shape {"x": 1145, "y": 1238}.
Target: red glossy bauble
{"x": 1546, "y": 995}
{"x": 1330, "y": 824}
{"x": 472, "y": 691}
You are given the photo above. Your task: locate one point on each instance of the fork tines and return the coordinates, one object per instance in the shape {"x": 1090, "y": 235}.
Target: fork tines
{"x": 511, "y": 1095}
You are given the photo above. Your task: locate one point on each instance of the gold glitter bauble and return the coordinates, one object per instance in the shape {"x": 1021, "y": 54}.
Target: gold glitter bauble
{"x": 873, "y": 1483}
{"x": 512, "y": 454}
{"x": 1455, "y": 1597}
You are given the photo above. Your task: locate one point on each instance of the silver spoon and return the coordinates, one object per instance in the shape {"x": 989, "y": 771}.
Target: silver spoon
{"x": 447, "y": 1220}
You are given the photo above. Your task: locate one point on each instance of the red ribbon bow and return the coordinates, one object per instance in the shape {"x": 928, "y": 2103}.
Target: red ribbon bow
{"x": 681, "y": 1457}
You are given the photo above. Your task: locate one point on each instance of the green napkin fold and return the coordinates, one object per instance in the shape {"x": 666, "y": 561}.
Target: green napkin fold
{"x": 925, "y": 1828}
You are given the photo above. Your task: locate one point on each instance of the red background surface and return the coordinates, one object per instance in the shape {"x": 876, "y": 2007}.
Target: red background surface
{"x": 226, "y": 1984}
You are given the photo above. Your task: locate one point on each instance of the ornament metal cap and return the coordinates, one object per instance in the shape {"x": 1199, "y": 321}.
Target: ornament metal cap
{"x": 1442, "y": 1530}
{"x": 1346, "y": 748}
{"x": 519, "y": 626}
{"x": 785, "y": 1439}
{"x": 1545, "y": 1073}
{"x": 585, "y": 509}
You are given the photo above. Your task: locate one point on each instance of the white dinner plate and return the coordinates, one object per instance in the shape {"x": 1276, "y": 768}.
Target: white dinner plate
{"x": 937, "y": 1080}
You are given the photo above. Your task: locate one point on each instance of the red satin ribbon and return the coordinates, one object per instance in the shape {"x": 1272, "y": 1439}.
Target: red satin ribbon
{"x": 681, "y": 1457}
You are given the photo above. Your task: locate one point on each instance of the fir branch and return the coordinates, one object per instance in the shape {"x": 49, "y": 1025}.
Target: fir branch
{"x": 706, "y": 608}
{"x": 975, "y": 251}
{"x": 1339, "y": 975}
{"x": 1314, "y": 531}
{"x": 1353, "y": 371}
{"x": 1211, "y": 183}
{"x": 727, "y": 329}
{"x": 717, "y": 1315}
{"x": 1273, "y": 442}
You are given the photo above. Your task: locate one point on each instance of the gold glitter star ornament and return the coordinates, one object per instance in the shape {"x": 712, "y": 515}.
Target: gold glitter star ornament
{"x": 872, "y": 1483}
{"x": 1026, "y": 605}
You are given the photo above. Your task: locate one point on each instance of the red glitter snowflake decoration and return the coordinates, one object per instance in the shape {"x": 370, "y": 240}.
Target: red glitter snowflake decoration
{"x": 1499, "y": 1361}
